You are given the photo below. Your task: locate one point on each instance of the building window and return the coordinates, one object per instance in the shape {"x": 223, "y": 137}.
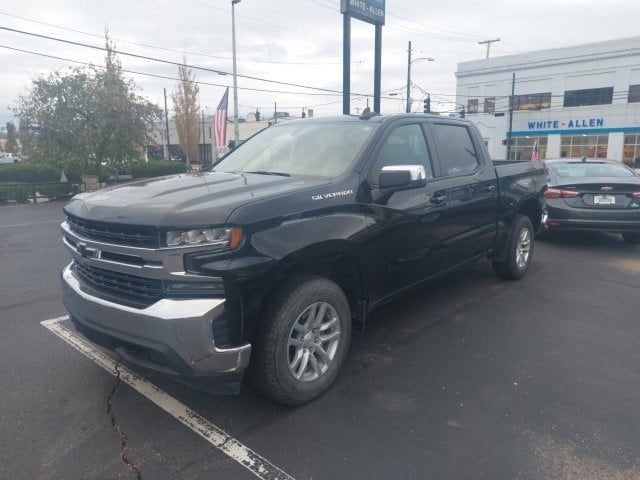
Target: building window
{"x": 590, "y": 96}
{"x": 490, "y": 105}
{"x": 534, "y": 101}
{"x": 631, "y": 152}
{"x": 209, "y": 132}
{"x": 472, "y": 105}
{"x": 578, "y": 146}
{"x": 634, "y": 93}
{"x": 522, "y": 148}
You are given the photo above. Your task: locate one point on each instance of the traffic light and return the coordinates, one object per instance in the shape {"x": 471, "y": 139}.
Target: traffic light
{"x": 427, "y": 104}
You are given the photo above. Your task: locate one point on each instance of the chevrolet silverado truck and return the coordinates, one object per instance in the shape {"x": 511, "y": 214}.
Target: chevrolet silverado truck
{"x": 263, "y": 263}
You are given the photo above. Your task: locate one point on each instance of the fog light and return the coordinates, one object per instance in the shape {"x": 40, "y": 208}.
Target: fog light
{"x": 214, "y": 287}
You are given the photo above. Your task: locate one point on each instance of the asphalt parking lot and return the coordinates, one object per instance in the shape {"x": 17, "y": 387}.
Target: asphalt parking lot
{"x": 469, "y": 378}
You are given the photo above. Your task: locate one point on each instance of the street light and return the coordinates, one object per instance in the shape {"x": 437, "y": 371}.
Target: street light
{"x": 235, "y": 73}
{"x": 411, "y": 62}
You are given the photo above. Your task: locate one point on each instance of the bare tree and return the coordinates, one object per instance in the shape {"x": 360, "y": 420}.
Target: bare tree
{"x": 185, "y": 104}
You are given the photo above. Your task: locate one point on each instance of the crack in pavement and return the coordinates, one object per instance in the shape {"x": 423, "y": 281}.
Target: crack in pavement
{"x": 124, "y": 440}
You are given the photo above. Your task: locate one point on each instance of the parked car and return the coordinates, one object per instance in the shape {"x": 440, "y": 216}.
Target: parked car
{"x": 593, "y": 195}
{"x": 10, "y": 158}
{"x": 271, "y": 254}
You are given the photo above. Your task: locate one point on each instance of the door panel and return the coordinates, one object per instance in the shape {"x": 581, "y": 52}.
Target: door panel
{"x": 472, "y": 189}
{"x": 407, "y": 227}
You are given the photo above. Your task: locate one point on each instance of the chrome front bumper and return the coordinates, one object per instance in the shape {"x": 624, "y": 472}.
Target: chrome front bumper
{"x": 175, "y": 336}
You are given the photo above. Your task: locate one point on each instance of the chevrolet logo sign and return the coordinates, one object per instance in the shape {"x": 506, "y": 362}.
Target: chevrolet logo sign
{"x": 606, "y": 189}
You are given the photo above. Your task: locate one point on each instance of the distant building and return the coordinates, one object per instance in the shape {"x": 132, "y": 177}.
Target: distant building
{"x": 158, "y": 149}
{"x": 576, "y": 101}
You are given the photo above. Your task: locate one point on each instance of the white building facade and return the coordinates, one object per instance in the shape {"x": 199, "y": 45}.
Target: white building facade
{"x": 573, "y": 102}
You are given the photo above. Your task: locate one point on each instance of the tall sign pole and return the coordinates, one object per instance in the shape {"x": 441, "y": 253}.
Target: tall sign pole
{"x": 409, "y": 78}
{"x": 377, "y": 69}
{"x": 370, "y": 11}
{"x": 346, "y": 64}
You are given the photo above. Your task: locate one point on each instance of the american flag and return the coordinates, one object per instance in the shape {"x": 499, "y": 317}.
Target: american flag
{"x": 535, "y": 154}
{"x": 220, "y": 122}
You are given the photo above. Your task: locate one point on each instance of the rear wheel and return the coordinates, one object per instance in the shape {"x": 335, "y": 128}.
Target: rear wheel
{"x": 304, "y": 340}
{"x": 631, "y": 237}
{"x": 519, "y": 250}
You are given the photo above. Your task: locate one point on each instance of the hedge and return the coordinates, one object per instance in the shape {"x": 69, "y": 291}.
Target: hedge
{"x": 40, "y": 172}
{"x": 156, "y": 169}
{"x": 29, "y": 173}
{"x": 24, "y": 191}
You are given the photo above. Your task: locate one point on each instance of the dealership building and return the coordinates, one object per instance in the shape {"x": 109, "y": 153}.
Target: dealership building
{"x": 574, "y": 102}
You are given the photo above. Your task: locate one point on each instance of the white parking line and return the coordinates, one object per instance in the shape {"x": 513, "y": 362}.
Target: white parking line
{"x": 29, "y": 224}
{"x": 217, "y": 437}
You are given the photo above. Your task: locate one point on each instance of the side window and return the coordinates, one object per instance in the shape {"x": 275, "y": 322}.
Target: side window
{"x": 456, "y": 151}
{"x": 404, "y": 146}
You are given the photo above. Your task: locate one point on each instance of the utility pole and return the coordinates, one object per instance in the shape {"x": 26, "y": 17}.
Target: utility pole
{"x": 488, "y": 43}
{"x": 166, "y": 123}
{"x": 204, "y": 142}
{"x": 275, "y": 112}
{"x": 511, "y": 98}
{"x": 235, "y": 73}
{"x": 409, "y": 78}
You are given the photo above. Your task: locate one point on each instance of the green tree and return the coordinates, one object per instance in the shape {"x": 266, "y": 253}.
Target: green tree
{"x": 11, "y": 145}
{"x": 185, "y": 105}
{"x": 83, "y": 119}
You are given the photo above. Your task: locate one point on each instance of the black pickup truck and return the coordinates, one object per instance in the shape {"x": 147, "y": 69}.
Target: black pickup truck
{"x": 265, "y": 261}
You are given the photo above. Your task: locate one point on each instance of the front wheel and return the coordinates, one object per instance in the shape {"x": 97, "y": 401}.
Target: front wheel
{"x": 303, "y": 341}
{"x": 631, "y": 237}
{"x": 519, "y": 250}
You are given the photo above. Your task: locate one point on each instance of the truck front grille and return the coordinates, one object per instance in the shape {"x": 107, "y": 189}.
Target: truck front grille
{"x": 136, "y": 236}
{"x": 132, "y": 289}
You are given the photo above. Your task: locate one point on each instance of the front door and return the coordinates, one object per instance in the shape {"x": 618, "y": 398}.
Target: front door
{"x": 407, "y": 227}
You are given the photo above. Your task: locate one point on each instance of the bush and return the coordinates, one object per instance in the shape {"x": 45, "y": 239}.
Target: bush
{"x": 156, "y": 169}
{"x": 29, "y": 173}
{"x": 15, "y": 192}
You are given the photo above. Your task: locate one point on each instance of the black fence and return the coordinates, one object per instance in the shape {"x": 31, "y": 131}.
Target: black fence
{"x": 37, "y": 191}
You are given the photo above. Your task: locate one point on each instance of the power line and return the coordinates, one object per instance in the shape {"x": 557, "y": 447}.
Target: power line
{"x": 168, "y": 49}
{"x": 166, "y": 77}
{"x": 199, "y": 82}
{"x": 403, "y": 28}
{"x": 169, "y": 62}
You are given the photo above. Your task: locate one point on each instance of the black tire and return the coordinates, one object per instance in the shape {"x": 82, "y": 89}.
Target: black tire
{"x": 271, "y": 372}
{"x": 509, "y": 268}
{"x": 631, "y": 237}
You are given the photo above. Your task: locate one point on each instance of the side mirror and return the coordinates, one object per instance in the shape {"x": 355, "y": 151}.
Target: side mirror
{"x": 402, "y": 176}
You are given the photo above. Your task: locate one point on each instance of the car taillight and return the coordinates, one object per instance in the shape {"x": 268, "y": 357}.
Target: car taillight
{"x": 636, "y": 195}
{"x": 560, "y": 193}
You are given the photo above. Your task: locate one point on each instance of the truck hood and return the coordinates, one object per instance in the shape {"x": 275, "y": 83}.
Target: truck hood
{"x": 183, "y": 200}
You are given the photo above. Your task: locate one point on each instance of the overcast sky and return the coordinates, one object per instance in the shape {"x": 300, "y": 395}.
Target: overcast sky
{"x": 302, "y": 39}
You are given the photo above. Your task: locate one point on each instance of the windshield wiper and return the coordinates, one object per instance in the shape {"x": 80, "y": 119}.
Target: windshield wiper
{"x": 265, "y": 172}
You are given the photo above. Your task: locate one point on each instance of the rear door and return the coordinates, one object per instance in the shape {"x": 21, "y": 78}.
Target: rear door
{"x": 469, "y": 180}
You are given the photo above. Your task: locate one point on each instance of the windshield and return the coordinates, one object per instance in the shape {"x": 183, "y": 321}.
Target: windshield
{"x": 587, "y": 170}
{"x": 316, "y": 149}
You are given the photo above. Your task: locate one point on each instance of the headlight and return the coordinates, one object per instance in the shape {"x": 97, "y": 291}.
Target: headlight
{"x": 225, "y": 238}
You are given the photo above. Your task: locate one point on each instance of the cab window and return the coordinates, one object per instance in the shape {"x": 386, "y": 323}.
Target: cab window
{"x": 456, "y": 152}
{"x": 405, "y": 145}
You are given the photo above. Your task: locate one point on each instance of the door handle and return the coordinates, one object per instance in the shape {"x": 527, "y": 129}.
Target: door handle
{"x": 438, "y": 199}
{"x": 489, "y": 189}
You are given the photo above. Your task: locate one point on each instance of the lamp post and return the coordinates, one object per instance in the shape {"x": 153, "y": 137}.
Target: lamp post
{"x": 411, "y": 62}
{"x": 235, "y": 72}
